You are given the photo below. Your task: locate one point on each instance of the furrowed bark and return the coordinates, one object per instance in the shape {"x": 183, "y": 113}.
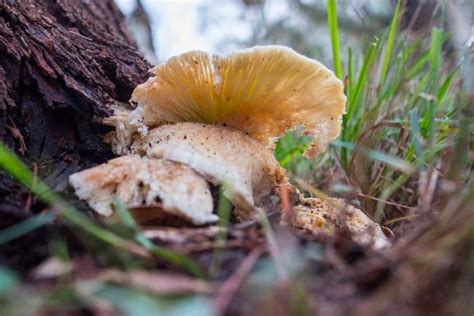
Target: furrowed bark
{"x": 63, "y": 63}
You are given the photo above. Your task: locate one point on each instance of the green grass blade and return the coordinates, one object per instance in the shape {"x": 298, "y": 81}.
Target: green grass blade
{"x": 350, "y": 77}
{"x": 290, "y": 156}
{"x": 15, "y": 167}
{"x": 415, "y": 127}
{"x": 387, "y": 193}
{"x": 362, "y": 80}
{"x": 224, "y": 211}
{"x": 22, "y": 228}
{"x": 124, "y": 214}
{"x": 354, "y": 96}
{"x": 394, "y": 162}
{"x": 391, "y": 40}
{"x": 444, "y": 87}
{"x": 352, "y": 104}
{"x": 334, "y": 32}
{"x": 171, "y": 256}
{"x": 8, "y": 281}
{"x": 431, "y": 123}
{"x": 83, "y": 222}
{"x": 435, "y": 53}
{"x": 419, "y": 65}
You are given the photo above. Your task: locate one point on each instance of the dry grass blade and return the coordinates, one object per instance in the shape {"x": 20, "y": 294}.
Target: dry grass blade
{"x": 160, "y": 283}
{"x": 231, "y": 286}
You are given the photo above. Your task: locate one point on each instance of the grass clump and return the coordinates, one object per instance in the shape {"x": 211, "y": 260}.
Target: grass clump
{"x": 404, "y": 113}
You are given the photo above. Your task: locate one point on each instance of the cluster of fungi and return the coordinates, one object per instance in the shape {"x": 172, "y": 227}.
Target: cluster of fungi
{"x": 206, "y": 121}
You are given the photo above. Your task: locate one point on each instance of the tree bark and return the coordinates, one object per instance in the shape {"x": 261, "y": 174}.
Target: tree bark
{"x": 63, "y": 63}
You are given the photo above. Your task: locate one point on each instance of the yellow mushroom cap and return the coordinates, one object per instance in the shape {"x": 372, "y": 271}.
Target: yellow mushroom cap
{"x": 142, "y": 183}
{"x": 263, "y": 91}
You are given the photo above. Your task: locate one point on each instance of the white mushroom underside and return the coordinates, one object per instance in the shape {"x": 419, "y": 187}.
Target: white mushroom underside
{"x": 248, "y": 171}
{"x": 141, "y": 182}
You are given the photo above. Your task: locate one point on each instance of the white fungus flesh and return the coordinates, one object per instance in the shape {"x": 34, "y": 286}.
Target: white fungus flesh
{"x": 142, "y": 183}
{"x": 320, "y": 217}
{"x": 225, "y": 156}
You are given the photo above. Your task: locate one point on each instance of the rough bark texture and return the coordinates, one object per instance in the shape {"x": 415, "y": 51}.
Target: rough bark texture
{"x": 63, "y": 64}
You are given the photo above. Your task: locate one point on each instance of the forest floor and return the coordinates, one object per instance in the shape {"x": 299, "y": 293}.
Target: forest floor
{"x": 404, "y": 156}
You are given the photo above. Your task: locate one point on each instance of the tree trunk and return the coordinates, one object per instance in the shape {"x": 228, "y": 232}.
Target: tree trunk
{"x": 63, "y": 63}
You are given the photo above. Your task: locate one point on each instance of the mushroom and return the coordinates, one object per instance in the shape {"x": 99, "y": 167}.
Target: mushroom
{"x": 263, "y": 91}
{"x": 221, "y": 116}
{"x": 323, "y": 217}
{"x": 147, "y": 185}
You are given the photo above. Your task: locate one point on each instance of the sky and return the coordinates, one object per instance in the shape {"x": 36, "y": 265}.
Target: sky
{"x": 178, "y": 28}
{"x": 179, "y": 25}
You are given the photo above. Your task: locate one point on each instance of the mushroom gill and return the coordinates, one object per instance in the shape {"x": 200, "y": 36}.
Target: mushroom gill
{"x": 141, "y": 183}
{"x": 263, "y": 92}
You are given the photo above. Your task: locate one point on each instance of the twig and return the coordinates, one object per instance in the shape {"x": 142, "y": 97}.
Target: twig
{"x": 392, "y": 221}
{"x": 15, "y": 131}
{"x": 414, "y": 17}
{"x": 385, "y": 201}
{"x": 428, "y": 187}
{"x": 29, "y": 199}
{"x": 256, "y": 221}
{"x": 230, "y": 287}
{"x": 284, "y": 192}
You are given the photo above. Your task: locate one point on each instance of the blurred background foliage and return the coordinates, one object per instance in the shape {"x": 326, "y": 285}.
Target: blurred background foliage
{"x": 404, "y": 156}
{"x": 168, "y": 27}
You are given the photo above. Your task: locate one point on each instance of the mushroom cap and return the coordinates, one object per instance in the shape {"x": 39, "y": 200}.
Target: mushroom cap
{"x": 320, "y": 217}
{"x": 263, "y": 91}
{"x": 247, "y": 170}
{"x": 146, "y": 183}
